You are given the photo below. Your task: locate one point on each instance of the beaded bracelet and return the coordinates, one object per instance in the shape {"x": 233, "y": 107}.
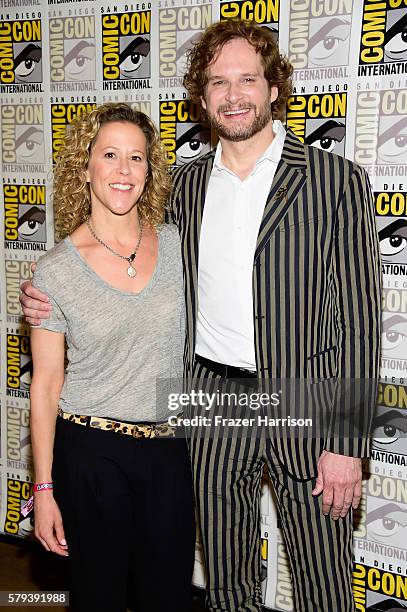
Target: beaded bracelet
{"x": 42, "y": 486}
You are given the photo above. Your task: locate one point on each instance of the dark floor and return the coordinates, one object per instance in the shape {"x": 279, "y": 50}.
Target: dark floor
{"x": 26, "y": 566}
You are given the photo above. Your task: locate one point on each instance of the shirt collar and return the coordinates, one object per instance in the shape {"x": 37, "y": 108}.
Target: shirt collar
{"x": 272, "y": 153}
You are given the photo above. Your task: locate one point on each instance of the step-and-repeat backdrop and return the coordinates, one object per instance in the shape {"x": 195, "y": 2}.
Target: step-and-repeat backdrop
{"x": 350, "y": 59}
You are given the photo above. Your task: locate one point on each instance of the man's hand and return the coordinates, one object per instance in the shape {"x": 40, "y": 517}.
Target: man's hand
{"x": 35, "y": 304}
{"x": 340, "y": 482}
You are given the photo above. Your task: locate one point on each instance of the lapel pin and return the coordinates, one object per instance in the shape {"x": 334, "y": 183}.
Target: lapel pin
{"x": 281, "y": 192}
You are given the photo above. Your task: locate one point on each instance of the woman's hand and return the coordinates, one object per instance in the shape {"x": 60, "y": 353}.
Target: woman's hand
{"x": 48, "y": 523}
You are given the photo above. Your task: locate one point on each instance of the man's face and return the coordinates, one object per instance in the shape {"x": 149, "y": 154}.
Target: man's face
{"x": 238, "y": 97}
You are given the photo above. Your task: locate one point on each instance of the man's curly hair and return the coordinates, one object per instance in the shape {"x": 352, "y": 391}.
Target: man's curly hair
{"x": 277, "y": 67}
{"x": 71, "y": 194}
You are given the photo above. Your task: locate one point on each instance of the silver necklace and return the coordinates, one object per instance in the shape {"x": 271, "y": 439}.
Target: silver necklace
{"x": 131, "y": 271}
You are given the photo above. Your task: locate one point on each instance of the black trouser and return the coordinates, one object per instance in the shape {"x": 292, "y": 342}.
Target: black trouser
{"x": 127, "y": 508}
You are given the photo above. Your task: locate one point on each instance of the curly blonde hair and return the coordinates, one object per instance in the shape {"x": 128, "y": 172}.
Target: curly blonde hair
{"x": 277, "y": 67}
{"x": 71, "y": 194}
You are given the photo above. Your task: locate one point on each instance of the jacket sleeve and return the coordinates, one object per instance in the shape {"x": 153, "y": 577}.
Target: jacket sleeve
{"x": 171, "y": 215}
{"x": 357, "y": 287}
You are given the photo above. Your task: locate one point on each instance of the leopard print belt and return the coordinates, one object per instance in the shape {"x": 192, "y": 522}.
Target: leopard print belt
{"x": 136, "y": 430}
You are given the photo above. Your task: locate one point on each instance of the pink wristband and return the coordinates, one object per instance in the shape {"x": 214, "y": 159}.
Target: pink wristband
{"x": 42, "y": 486}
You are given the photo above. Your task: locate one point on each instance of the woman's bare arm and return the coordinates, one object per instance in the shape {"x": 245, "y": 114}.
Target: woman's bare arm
{"x": 48, "y": 350}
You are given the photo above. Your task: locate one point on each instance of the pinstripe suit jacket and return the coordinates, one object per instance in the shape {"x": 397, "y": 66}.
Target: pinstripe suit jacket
{"x": 316, "y": 282}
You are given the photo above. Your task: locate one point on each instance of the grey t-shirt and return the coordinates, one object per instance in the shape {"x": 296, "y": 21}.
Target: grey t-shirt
{"x": 119, "y": 344}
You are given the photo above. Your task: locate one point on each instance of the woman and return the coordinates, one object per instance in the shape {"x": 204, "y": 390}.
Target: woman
{"x": 112, "y": 485}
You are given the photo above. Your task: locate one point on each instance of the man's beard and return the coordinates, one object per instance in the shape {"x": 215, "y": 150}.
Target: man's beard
{"x": 237, "y": 133}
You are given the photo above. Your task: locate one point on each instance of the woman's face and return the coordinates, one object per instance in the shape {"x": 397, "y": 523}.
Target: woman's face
{"x": 117, "y": 167}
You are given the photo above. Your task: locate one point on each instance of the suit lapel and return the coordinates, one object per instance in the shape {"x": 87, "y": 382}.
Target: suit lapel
{"x": 197, "y": 190}
{"x": 289, "y": 179}
{"x": 192, "y": 193}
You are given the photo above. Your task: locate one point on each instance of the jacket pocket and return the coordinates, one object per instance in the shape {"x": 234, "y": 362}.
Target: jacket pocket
{"x": 288, "y": 225}
{"x": 322, "y": 366}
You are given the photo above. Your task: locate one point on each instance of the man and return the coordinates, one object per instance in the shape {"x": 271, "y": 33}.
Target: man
{"x": 282, "y": 282}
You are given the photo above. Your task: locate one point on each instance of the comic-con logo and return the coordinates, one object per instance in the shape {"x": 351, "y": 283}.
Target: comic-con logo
{"x": 390, "y": 203}
{"x": 370, "y": 582}
{"x": 126, "y": 59}
{"x": 179, "y": 28}
{"x": 381, "y": 131}
{"x": 18, "y": 493}
{"x": 183, "y": 134}
{"x": 62, "y": 115}
{"x": 284, "y": 591}
{"x": 319, "y": 120}
{"x": 262, "y": 12}
{"x": 392, "y": 396}
{"x": 72, "y": 50}
{"x": 24, "y": 217}
{"x": 140, "y": 102}
{"x": 264, "y": 555}
{"x": 16, "y": 272}
{"x": 359, "y": 517}
{"x": 22, "y": 131}
{"x": 383, "y": 40}
{"x": 20, "y": 56}
{"x": 19, "y": 455}
{"x": 19, "y": 365}
{"x": 319, "y": 35}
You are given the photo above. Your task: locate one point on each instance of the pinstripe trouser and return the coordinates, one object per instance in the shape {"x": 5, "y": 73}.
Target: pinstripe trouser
{"x": 227, "y": 473}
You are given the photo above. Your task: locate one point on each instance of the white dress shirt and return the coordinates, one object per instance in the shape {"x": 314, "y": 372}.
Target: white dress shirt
{"x": 230, "y": 226}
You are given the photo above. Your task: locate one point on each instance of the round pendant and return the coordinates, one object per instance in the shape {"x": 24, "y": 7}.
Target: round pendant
{"x": 131, "y": 271}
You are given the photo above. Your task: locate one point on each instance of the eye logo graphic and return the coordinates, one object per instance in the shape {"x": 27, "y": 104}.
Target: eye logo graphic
{"x": 390, "y": 431}
{"x": 320, "y": 36}
{"x": 126, "y": 50}
{"x": 392, "y": 140}
{"x": 72, "y": 49}
{"x": 328, "y": 135}
{"x": 319, "y": 120}
{"x": 329, "y": 41}
{"x": 394, "y": 344}
{"x": 179, "y": 28}
{"x": 184, "y": 136}
{"x": 386, "y": 522}
{"x": 20, "y": 53}
{"x": 393, "y": 240}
